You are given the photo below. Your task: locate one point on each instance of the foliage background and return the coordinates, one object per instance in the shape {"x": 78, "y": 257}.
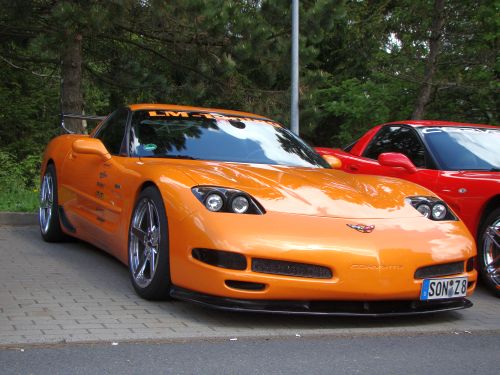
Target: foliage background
{"x": 362, "y": 62}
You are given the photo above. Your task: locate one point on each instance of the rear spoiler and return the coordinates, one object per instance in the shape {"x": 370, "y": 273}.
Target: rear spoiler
{"x": 78, "y": 116}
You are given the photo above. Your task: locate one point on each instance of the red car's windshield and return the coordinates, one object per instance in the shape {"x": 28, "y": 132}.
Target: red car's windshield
{"x": 464, "y": 148}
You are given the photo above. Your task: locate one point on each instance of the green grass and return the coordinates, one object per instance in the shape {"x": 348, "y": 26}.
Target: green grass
{"x": 19, "y": 200}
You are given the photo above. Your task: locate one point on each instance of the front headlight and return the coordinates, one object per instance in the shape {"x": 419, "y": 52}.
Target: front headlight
{"x": 219, "y": 199}
{"x": 240, "y": 204}
{"x": 432, "y": 208}
{"x": 439, "y": 211}
{"x": 214, "y": 202}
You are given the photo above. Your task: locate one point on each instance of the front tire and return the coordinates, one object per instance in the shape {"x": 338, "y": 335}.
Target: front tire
{"x": 489, "y": 251}
{"x": 48, "y": 215}
{"x": 148, "y": 247}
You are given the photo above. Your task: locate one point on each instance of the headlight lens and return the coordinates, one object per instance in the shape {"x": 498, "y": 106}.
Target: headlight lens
{"x": 240, "y": 204}
{"x": 439, "y": 211}
{"x": 214, "y": 202}
{"x": 432, "y": 208}
{"x": 219, "y": 199}
{"x": 424, "y": 209}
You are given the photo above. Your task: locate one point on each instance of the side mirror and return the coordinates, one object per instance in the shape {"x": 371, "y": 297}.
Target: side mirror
{"x": 396, "y": 159}
{"x": 334, "y": 161}
{"x": 92, "y": 146}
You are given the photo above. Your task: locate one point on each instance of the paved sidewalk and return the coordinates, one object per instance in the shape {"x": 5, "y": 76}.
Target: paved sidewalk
{"x": 73, "y": 292}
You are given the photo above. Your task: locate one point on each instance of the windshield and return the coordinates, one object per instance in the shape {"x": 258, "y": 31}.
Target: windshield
{"x": 212, "y": 136}
{"x": 462, "y": 148}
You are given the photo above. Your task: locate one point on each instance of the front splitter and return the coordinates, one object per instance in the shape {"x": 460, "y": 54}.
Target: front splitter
{"x": 334, "y": 308}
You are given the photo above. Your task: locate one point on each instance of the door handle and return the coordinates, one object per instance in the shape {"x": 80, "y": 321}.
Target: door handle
{"x": 353, "y": 167}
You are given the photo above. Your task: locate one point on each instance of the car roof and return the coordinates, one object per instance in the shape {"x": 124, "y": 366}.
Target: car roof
{"x": 426, "y": 123}
{"x": 174, "y": 107}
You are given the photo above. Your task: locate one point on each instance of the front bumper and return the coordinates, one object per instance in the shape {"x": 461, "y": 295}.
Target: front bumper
{"x": 335, "y": 308}
{"x": 378, "y": 266}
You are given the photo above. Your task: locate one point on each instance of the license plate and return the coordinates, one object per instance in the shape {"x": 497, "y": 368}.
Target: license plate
{"x": 443, "y": 288}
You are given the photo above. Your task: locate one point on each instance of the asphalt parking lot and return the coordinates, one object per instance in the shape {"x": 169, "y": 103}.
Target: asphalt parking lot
{"x": 75, "y": 293}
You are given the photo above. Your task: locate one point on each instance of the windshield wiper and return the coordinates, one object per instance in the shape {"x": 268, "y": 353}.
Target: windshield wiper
{"x": 171, "y": 157}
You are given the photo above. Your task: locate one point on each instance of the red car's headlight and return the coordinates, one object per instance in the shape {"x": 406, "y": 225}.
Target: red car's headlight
{"x": 219, "y": 199}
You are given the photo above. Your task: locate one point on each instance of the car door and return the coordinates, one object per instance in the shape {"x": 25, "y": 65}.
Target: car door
{"x": 402, "y": 139}
{"x": 96, "y": 184}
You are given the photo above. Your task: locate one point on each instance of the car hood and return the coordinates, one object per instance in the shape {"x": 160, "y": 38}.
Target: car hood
{"x": 311, "y": 191}
{"x": 475, "y": 176}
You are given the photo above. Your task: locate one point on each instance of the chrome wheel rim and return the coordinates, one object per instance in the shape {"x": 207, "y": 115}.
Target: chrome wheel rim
{"x": 491, "y": 251}
{"x": 46, "y": 202}
{"x": 145, "y": 234}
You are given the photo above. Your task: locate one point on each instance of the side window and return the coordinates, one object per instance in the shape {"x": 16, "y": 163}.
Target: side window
{"x": 112, "y": 132}
{"x": 397, "y": 139}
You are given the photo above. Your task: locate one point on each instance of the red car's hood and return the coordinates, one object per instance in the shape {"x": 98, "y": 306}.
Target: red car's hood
{"x": 494, "y": 177}
{"x": 311, "y": 191}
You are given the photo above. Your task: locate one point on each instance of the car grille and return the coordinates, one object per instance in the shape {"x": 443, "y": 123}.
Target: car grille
{"x": 279, "y": 267}
{"x": 440, "y": 270}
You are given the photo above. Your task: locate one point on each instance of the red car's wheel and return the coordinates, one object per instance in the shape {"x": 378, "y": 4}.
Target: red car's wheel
{"x": 148, "y": 247}
{"x": 489, "y": 251}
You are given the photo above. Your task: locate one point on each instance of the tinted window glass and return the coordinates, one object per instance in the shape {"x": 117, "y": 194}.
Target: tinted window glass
{"x": 397, "y": 139}
{"x": 111, "y": 133}
{"x": 464, "y": 148}
{"x": 213, "y": 136}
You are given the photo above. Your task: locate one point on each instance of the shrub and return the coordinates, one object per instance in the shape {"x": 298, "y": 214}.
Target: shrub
{"x": 18, "y": 182}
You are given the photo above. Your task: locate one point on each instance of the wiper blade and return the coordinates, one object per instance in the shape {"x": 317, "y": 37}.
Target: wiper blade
{"x": 171, "y": 157}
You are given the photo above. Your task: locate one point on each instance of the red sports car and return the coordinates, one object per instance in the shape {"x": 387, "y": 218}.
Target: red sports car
{"x": 460, "y": 162}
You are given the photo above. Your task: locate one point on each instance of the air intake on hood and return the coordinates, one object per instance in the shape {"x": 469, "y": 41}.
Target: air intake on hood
{"x": 280, "y": 267}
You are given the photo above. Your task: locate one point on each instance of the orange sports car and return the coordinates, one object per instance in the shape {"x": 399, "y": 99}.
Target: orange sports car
{"x": 232, "y": 210}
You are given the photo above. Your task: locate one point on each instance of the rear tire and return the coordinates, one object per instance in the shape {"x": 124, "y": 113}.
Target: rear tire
{"x": 489, "y": 251}
{"x": 148, "y": 247}
{"x": 48, "y": 216}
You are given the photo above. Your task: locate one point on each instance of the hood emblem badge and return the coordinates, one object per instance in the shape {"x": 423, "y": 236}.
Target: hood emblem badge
{"x": 362, "y": 228}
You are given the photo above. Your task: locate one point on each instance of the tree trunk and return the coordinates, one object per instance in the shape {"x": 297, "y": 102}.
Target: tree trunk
{"x": 431, "y": 63}
{"x": 71, "y": 72}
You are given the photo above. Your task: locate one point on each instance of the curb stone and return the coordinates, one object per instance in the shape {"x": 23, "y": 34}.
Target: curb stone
{"x": 18, "y": 218}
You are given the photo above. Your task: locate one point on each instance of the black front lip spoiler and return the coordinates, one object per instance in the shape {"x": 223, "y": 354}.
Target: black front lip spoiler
{"x": 334, "y": 308}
